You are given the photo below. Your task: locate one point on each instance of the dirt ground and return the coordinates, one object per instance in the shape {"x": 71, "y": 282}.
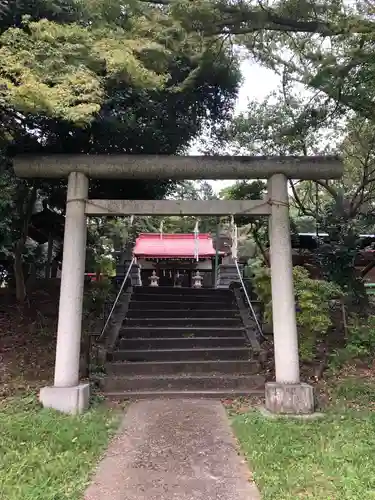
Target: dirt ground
{"x": 28, "y": 338}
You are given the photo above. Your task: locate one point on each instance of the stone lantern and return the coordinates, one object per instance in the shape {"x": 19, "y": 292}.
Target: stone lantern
{"x": 197, "y": 280}
{"x": 154, "y": 280}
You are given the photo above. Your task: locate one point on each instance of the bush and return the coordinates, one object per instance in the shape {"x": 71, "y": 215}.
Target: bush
{"x": 313, "y": 299}
{"x": 360, "y": 342}
{"x": 98, "y": 293}
{"x": 361, "y": 336}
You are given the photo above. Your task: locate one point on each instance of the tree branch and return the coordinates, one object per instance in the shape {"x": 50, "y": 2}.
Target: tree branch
{"x": 297, "y": 199}
{"x": 368, "y": 268}
{"x": 332, "y": 191}
{"x": 260, "y": 246}
{"x": 266, "y": 19}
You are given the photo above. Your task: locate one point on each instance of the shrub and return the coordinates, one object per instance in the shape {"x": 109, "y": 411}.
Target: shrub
{"x": 98, "y": 293}
{"x": 312, "y": 297}
{"x": 360, "y": 342}
{"x": 361, "y": 336}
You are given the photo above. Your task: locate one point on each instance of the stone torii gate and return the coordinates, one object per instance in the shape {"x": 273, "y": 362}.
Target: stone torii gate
{"x": 287, "y": 394}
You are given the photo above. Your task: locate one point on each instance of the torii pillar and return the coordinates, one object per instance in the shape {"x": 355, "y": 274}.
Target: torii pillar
{"x": 287, "y": 394}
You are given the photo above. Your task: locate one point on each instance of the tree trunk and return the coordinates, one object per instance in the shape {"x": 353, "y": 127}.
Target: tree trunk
{"x": 369, "y": 267}
{"x": 262, "y": 250}
{"x": 18, "y": 272}
{"x": 25, "y": 210}
{"x": 49, "y": 257}
{"x": 97, "y": 274}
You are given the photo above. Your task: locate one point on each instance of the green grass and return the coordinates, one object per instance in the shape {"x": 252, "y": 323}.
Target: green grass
{"x": 354, "y": 393}
{"x": 45, "y": 455}
{"x": 326, "y": 459}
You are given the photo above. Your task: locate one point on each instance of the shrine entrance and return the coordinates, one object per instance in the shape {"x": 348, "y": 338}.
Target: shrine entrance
{"x": 166, "y": 276}
{"x": 171, "y": 275}
{"x": 287, "y": 394}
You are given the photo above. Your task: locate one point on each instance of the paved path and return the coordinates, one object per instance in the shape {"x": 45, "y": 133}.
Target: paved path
{"x": 173, "y": 450}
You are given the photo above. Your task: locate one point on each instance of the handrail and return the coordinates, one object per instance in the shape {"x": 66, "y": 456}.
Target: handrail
{"x": 117, "y": 298}
{"x": 248, "y": 299}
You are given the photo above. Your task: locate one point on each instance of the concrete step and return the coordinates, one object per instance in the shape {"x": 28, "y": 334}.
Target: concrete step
{"x": 209, "y": 381}
{"x": 180, "y": 331}
{"x": 181, "y": 343}
{"x": 234, "y": 367}
{"x": 170, "y": 290}
{"x": 182, "y": 313}
{"x": 155, "y": 297}
{"x": 183, "y": 304}
{"x": 216, "y": 353}
{"x": 215, "y": 394}
{"x": 183, "y": 321}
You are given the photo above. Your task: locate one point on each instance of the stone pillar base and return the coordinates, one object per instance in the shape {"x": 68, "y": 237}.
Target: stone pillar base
{"x": 289, "y": 399}
{"x": 66, "y": 399}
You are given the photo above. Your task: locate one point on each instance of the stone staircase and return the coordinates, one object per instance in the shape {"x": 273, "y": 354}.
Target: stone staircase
{"x": 182, "y": 342}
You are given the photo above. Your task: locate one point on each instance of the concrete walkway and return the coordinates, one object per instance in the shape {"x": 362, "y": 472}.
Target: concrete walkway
{"x": 173, "y": 450}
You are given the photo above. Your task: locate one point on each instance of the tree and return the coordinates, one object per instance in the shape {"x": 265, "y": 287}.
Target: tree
{"x": 338, "y": 63}
{"x": 61, "y": 62}
{"x": 103, "y": 77}
{"x": 61, "y": 69}
{"x": 343, "y": 208}
{"x": 326, "y": 18}
{"x": 326, "y": 45}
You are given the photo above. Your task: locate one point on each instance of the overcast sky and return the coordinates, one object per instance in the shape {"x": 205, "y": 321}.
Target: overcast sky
{"x": 258, "y": 83}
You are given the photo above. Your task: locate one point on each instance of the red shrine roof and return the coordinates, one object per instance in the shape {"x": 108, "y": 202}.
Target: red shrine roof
{"x": 164, "y": 246}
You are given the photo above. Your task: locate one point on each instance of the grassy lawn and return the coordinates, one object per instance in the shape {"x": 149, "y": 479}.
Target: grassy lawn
{"x": 45, "y": 455}
{"x": 326, "y": 459}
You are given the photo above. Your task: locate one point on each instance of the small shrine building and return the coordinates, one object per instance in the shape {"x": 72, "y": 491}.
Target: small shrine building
{"x": 176, "y": 258}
